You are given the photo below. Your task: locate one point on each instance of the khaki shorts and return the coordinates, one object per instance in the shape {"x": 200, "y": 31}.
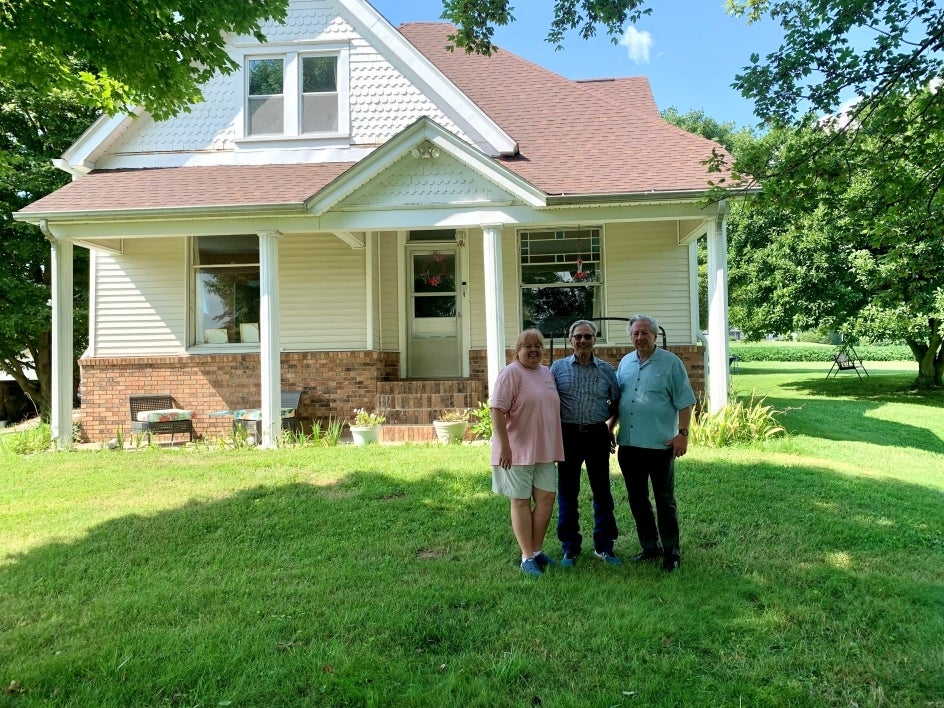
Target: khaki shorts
{"x": 519, "y": 481}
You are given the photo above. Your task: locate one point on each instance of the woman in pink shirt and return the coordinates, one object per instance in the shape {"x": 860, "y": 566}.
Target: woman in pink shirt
{"x": 526, "y": 445}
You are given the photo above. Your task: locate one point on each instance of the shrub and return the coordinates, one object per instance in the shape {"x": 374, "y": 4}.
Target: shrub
{"x": 481, "y": 426}
{"x": 809, "y": 352}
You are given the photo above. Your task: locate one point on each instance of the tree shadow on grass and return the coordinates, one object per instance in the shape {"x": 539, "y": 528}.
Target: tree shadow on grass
{"x": 840, "y": 410}
{"x": 851, "y": 421}
{"x": 377, "y": 590}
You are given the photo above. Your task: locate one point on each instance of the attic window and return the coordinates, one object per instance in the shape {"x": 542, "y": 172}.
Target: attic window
{"x": 266, "y": 100}
{"x": 319, "y": 94}
{"x": 298, "y": 94}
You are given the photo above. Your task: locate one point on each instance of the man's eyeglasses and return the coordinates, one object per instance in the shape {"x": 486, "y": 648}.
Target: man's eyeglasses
{"x": 581, "y": 336}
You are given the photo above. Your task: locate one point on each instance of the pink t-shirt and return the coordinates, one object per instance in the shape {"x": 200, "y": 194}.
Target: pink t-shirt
{"x": 532, "y": 411}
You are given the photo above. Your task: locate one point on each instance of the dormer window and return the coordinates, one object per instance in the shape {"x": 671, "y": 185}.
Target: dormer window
{"x": 319, "y": 94}
{"x": 297, "y": 94}
{"x": 266, "y": 98}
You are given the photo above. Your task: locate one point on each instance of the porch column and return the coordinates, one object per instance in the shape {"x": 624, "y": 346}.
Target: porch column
{"x": 63, "y": 383}
{"x": 718, "y": 371}
{"x": 269, "y": 337}
{"x": 494, "y": 302}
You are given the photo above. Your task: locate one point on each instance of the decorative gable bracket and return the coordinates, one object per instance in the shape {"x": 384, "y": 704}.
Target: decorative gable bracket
{"x": 355, "y": 240}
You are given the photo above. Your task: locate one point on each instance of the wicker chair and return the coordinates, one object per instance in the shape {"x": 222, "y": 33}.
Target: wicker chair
{"x": 155, "y": 414}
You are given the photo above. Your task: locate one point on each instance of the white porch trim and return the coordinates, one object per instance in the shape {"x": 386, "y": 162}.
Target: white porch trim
{"x": 269, "y": 335}
{"x": 494, "y": 302}
{"x": 63, "y": 382}
{"x": 718, "y": 372}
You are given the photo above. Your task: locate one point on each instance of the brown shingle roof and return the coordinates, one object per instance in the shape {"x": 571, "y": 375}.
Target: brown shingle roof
{"x": 574, "y": 137}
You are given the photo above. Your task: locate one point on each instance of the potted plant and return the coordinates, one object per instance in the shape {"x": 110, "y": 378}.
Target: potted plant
{"x": 365, "y": 429}
{"x": 451, "y": 424}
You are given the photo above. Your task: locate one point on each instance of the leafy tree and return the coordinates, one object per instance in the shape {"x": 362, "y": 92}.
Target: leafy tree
{"x": 856, "y": 243}
{"x": 34, "y": 129}
{"x": 736, "y": 141}
{"x": 153, "y": 53}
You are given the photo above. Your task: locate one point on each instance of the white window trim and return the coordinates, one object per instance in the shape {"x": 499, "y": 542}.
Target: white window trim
{"x": 291, "y": 91}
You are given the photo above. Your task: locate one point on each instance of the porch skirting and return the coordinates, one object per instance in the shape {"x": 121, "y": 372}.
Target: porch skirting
{"x": 333, "y": 384}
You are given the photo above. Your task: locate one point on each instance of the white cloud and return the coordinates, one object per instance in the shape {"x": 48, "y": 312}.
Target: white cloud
{"x": 637, "y": 44}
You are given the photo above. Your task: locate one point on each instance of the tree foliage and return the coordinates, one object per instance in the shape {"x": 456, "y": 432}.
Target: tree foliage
{"x": 115, "y": 55}
{"x": 475, "y": 20}
{"x": 34, "y": 128}
{"x": 851, "y": 239}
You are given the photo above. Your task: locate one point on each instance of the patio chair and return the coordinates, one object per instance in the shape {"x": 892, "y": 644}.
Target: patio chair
{"x": 155, "y": 414}
{"x": 242, "y": 419}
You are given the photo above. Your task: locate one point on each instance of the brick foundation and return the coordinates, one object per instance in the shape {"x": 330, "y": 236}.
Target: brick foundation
{"x": 334, "y": 384}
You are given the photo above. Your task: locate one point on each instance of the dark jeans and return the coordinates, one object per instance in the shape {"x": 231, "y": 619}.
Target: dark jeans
{"x": 639, "y": 465}
{"x": 591, "y": 445}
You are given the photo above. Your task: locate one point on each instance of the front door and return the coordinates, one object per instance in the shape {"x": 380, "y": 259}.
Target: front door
{"x": 433, "y": 311}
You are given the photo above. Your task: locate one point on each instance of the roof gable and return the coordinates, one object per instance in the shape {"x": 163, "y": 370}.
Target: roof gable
{"x": 424, "y": 165}
{"x": 382, "y": 64}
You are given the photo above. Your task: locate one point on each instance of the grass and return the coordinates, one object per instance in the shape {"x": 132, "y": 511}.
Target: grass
{"x": 813, "y": 573}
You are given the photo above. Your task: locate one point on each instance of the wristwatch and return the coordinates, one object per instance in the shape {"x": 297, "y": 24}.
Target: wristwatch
{"x": 683, "y": 431}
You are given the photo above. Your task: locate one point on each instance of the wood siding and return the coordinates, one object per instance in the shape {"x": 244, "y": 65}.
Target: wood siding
{"x": 140, "y": 296}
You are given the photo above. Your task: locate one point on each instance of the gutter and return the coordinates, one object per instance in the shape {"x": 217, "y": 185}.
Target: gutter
{"x": 636, "y": 197}
{"x": 38, "y": 217}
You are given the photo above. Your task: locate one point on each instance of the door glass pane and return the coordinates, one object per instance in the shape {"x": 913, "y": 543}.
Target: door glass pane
{"x": 434, "y": 273}
{"x": 434, "y": 306}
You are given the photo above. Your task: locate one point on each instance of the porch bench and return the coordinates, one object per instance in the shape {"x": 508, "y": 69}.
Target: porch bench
{"x": 242, "y": 419}
{"x": 155, "y": 414}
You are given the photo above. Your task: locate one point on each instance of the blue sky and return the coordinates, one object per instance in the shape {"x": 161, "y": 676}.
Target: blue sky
{"x": 689, "y": 49}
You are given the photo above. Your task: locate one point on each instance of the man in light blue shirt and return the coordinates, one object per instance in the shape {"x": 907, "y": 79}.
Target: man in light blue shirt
{"x": 655, "y": 409}
{"x": 588, "y": 395}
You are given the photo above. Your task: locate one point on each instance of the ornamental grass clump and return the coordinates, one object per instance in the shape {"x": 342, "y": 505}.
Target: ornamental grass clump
{"x": 738, "y": 422}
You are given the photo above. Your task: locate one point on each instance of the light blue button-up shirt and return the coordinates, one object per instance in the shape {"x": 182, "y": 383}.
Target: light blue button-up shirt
{"x": 651, "y": 395}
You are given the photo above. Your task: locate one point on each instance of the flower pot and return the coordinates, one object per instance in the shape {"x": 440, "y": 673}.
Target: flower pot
{"x": 365, "y": 434}
{"x": 451, "y": 431}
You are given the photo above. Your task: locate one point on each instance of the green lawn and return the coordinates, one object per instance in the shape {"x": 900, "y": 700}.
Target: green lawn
{"x": 813, "y": 573}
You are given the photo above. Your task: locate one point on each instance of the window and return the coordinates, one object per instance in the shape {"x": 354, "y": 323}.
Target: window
{"x": 226, "y": 284}
{"x": 561, "y": 278}
{"x": 319, "y": 94}
{"x": 266, "y": 100}
{"x": 297, "y": 94}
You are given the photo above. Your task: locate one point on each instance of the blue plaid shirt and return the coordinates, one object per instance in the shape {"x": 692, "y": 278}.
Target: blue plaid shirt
{"x": 588, "y": 392}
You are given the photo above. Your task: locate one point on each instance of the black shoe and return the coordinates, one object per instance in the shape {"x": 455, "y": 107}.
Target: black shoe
{"x": 646, "y": 556}
{"x": 670, "y": 563}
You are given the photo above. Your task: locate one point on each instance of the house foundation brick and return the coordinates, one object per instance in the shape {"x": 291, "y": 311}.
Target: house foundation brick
{"x": 333, "y": 384}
